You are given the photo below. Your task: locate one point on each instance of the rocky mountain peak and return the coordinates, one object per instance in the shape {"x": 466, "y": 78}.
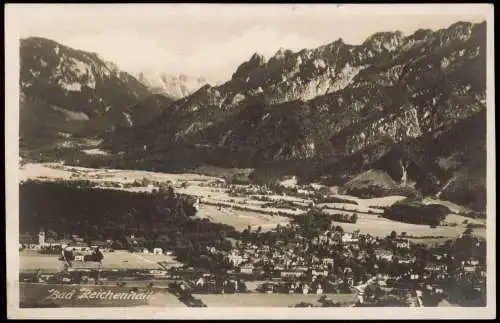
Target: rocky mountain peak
{"x": 384, "y": 41}
{"x": 458, "y": 31}
{"x": 74, "y": 92}
{"x": 255, "y": 61}
{"x": 280, "y": 55}
{"x": 204, "y": 89}
{"x": 420, "y": 34}
{"x": 258, "y": 58}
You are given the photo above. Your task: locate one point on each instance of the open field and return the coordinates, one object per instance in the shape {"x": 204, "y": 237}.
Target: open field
{"x": 210, "y": 194}
{"x": 267, "y": 300}
{"x": 455, "y": 208}
{"x": 31, "y": 260}
{"x": 54, "y": 171}
{"x": 240, "y": 220}
{"x": 381, "y": 227}
{"x": 95, "y": 151}
{"x": 126, "y": 260}
{"x": 164, "y": 299}
{"x": 222, "y": 172}
{"x": 241, "y": 212}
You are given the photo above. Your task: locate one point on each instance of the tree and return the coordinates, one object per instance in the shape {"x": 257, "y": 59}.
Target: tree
{"x": 51, "y": 234}
{"x": 267, "y": 268}
{"x": 170, "y": 192}
{"x": 304, "y": 304}
{"x": 242, "y": 287}
{"x": 145, "y": 181}
{"x": 467, "y": 231}
{"x": 393, "y": 235}
{"x": 118, "y": 245}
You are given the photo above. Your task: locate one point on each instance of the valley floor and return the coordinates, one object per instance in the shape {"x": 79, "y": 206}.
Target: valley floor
{"x": 218, "y": 205}
{"x": 269, "y": 300}
{"x": 122, "y": 260}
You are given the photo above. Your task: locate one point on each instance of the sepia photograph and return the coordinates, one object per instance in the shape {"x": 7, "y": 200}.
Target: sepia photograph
{"x": 250, "y": 161}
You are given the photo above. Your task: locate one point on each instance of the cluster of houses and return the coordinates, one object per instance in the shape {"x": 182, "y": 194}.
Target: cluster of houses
{"x": 139, "y": 244}
{"x": 75, "y": 243}
{"x": 327, "y": 263}
{"x": 254, "y": 189}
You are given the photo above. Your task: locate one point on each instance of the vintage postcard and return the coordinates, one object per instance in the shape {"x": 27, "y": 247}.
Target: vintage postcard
{"x": 250, "y": 161}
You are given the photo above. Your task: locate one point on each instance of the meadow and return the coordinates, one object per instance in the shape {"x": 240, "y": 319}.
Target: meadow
{"x": 243, "y": 211}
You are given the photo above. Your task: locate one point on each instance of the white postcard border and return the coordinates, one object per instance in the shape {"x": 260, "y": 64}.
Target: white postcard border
{"x": 12, "y": 194}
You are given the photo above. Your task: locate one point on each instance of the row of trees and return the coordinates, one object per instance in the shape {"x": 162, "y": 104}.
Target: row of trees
{"x": 374, "y": 191}
{"x": 417, "y": 213}
{"x": 346, "y": 218}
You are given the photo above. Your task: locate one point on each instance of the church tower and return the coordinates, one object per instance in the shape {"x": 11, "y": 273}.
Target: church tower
{"x": 41, "y": 238}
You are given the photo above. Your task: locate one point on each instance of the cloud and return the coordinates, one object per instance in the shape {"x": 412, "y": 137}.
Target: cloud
{"x": 222, "y": 58}
{"x": 199, "y": 42}
{"x": 216, "y": 60}
{"x": 129, "y": 50}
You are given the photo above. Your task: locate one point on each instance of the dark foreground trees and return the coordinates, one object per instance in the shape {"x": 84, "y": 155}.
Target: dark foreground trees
{"x": 164, "y": 219}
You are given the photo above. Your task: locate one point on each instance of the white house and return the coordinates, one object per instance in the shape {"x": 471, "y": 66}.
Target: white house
{"x": 328, "y": 261}
{"x": 473, "y": 262}
{"x": 349, "y": 238}
{"x": 406, "y": 260}
{"x": 200, "y": 282}
{"x": 469, "y": 268}
{"x": 157, "y": 251}
{"x": 319, "y": 273}
{"x": 197, "y": 204}
{"x": 79, "y": 247}
{"x": 403, "y": 244}
{"x": 235, "y": 259}
{"x": 247, "y": 269}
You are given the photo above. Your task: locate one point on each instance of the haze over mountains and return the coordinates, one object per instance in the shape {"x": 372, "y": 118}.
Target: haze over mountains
{"x": 411, "y": 106}
{"x": 174, "y": 86}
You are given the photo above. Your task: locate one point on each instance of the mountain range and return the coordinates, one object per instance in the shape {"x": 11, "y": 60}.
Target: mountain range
{"x": 68, "y": 93}
{"x": 411, "y": 106}
{"x": 173, "y": 86}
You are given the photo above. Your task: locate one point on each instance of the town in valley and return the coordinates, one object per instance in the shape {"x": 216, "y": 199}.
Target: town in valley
{"x": 307, "y": 243}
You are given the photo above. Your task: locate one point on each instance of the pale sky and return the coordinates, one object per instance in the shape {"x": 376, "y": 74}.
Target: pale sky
{"x": 212, "y": 40}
